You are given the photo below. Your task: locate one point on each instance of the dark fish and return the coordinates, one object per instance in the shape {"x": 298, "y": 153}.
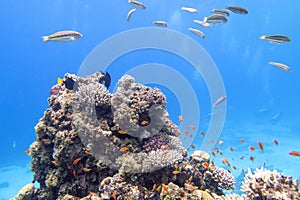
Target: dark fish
{"x": 277, "y": 39}
{"x": 137, "y": 4}
{"x": 237, "y": 10}
{"x": 105, "y": 78}
{"x": 221, "y": 11}
{"x": 215, "y": 19}
{"x": 69, "y": 83}
{"x": 62, "y": 36}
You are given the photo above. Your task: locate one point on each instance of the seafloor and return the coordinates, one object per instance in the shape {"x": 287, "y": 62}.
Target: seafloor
{"x": 92, "y": 144}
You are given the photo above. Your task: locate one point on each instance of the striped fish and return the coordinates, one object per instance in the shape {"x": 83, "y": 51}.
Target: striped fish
{"x": 62, "y": 36}
{"x": 277, "y": 39}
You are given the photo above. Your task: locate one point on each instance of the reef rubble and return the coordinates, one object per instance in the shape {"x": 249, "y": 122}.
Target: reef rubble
{"x": 92, "y": 144}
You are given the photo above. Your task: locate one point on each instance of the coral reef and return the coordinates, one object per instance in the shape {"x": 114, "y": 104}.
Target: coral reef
{"x": 267, "y": 184}
{"x": 92, "y": 144}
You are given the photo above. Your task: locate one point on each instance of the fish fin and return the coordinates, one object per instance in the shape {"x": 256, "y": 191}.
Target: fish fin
{"x": 45, "y": 38}
{"x": 205, "y": 19}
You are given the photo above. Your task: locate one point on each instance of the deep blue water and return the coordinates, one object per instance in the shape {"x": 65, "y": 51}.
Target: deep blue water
{"x": 262, "y": 104}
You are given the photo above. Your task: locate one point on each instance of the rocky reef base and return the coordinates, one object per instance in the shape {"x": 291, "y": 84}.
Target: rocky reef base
{"x": 92, "y": 144}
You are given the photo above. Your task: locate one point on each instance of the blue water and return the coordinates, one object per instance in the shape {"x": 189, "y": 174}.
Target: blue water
{"x": 262, "y": 104}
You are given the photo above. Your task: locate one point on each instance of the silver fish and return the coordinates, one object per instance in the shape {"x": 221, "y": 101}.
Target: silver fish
{"x": 219, "y": 100}
{"x": 277, "y": 39}
{"x": 62, "y": 36}
{"x": 280, "y": 66}
{"x": 137, "y": 4}
{"x": 221, "y": 11}
{"x": 197, "y": 32}
{"x": 202, "y": 23}
{"x": 160, "y": 23}
{"x": 237, "y": 10}
{"x": 130, "y": 13}
{"x": 215, "y": 19}
{"x": 191, "y": 10}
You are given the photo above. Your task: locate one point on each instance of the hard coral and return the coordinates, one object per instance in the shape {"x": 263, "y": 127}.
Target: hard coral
{"x": 267, "y": 184}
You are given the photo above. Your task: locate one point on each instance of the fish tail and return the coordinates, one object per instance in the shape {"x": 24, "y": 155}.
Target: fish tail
{"x": 45, "y": 38}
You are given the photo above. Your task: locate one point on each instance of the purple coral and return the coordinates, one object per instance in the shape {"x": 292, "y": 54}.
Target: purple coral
{"x": 154, "y": 143}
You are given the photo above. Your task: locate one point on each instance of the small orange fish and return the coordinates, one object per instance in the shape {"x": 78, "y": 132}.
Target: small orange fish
{"x": 231, "y": 148}
{"x": 212, "y": 141}
{"x": 193, "y": 146}
{"x": 192, "y": 127}
{"x": 158, "y": 188}
{"x": 234, "y": 167}
{"x": 184, "y": 138}
{"x": 69, "y": 167}
{"x": 76, "y": 161}
{"x": 177, "y": 133}
{"x": 87, "y": 153}
{"x": 252, "y": 148}
{"x": 294, "y": 153}
{"x": 186, "y": 132}
{"x": 161, "y": 139}
{"x": 114, "y": 195}
{"x": 74, "y": 172}
{"x": 275, "y": 142}
{"x": 144, "y": 122}
{"x": 261, "y": 146}
{"x": 202, "y": 133}
{"x": 180, "y": 119}
{"x": 191, "y": 135}
{"x": 154, "y": 187}
{"x": 251, "y": 158}
{"x": 122, "y": 132}
{"x": 86, "y": 169}
{"x": 44, "y": 140}
{"x": 220, "y": 142}
{"x": 205, "y": 164}
{"x": 225, "y": 161}
{"x": 27, "y": 151}
{"x": 124, "y": 149}
{"x": 213, "y": 153}
{"x": 242, "y": 140}
{"x": 164, "y": 146}
{"x": 176, "y": 172}
{"x": 165, "y": 153}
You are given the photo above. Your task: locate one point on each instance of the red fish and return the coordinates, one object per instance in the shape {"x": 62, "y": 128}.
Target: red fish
{"x": 252, "y": 148}
{"x": 242, "y": 140}
{"x": 213, "y": 153}
{"x": 261, "y": 146}
{"x": 295, "y": 153}
{"x": 251, "y": 158}
{"x": 231, "y": 148}
{"x": 202, "y": 133}
{"x": 275, "y": 142}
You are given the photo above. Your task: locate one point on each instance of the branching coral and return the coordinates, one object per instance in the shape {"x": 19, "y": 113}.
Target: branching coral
{"x": 267, "y": 184}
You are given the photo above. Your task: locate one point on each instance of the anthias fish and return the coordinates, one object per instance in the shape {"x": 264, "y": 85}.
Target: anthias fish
{"x": 276, "y": 39}
{"x": 197, "y": 32}
{"x": 237, "y": 10}
{"x": 62, "y": 36}
{"x": 295, "y": 153}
